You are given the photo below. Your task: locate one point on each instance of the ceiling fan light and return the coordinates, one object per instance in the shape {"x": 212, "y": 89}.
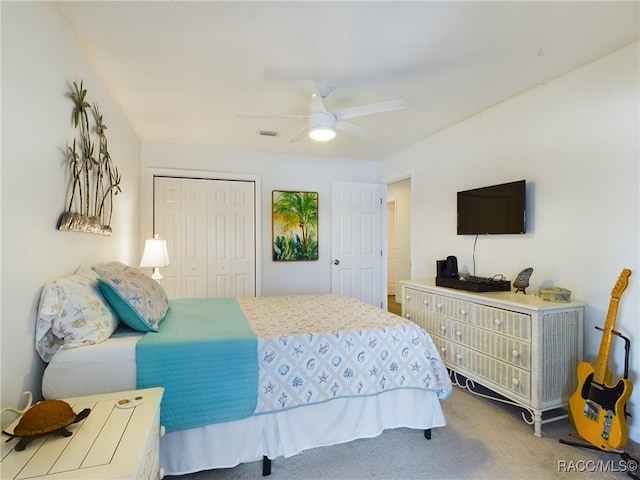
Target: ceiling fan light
{"x": 322, "y": 134}
{"x": 322, "y": 126}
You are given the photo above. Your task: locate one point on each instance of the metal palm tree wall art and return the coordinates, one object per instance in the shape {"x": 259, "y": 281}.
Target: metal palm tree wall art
{"x": 94, "y": 178}
{"x": 295, "y": 225}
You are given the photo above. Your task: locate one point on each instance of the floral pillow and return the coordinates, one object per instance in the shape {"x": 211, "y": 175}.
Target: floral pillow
{"x": 138, "y": 300}
{"x": 109, "y": 268}
{"x": 72, "y": 313}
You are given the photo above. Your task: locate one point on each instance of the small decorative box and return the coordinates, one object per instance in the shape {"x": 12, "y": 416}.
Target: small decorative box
{"x": 555, "y": 294}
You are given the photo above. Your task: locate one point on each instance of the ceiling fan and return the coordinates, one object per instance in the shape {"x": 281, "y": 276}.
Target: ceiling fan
{"x": 322, "y": 123}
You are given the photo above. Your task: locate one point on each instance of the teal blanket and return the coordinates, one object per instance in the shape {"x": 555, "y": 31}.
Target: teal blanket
{"x": 205, "y": 355}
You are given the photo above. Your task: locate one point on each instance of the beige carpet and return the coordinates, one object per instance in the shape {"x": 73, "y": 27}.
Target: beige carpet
{"x": 482, "y": 440}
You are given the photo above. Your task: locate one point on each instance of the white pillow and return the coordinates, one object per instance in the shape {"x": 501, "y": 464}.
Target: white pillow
{"x": 73, "y": 313}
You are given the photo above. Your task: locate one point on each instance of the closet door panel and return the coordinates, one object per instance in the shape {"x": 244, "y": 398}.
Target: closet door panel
{"x": 168, "y": 224}
{"x": 194, "y": 238}
{"x": 244, "y": 239}
{"x": 219, "y": 233}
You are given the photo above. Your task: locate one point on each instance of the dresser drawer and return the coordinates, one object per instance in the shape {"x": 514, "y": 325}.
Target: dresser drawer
{"x": 506, "y": 322}
{"x": 504, "y": 348}
{"x": 516, "y": 380}
{"x": 418, "y": 299}
{"x": 432, "y": 323}
{"x": 453, "y": 308}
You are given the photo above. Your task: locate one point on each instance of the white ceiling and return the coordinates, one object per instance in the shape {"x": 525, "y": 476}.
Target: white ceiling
{"x": 183, "y": 71}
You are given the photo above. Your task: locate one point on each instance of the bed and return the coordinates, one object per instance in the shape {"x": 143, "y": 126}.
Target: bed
{"x": 327, "y": 369}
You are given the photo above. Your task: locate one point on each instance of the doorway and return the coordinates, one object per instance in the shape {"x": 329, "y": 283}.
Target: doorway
{"x": 398, "y": 239}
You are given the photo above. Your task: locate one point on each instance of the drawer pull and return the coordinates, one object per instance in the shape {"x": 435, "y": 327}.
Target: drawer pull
{"x": 515, "y": 382}
{"x": 407, "y": 297}
{"x": 443, "y": 328}
{"x": 458, "y": 356}
{"x": 439, "y": 306}
{"x": 498, "y": 322}
{"x": 458, "y": 334}
{"x": 463, "y": 312}
{"x": 515, "y": 354}
{"x": 407, "y": 316}
{"x": 443, "y": 350}
{"x": 426, "y": 302}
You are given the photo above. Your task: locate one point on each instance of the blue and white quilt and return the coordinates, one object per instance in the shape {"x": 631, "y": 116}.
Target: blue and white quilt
{"x": 313, "y": 348}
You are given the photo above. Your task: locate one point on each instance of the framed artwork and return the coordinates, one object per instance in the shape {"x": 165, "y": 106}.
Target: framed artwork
{"x": 295, "y": 225}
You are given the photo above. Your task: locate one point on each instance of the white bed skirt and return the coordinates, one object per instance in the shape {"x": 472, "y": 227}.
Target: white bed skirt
{"x": 284, "y": 434}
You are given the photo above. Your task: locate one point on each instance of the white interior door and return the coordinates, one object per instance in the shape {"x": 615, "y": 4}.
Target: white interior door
{"x": 356, "y": 241}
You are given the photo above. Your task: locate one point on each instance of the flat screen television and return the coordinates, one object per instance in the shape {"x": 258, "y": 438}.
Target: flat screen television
{"x": 497, "y": 209}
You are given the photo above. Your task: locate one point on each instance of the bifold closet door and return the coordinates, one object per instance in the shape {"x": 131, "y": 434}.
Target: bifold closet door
{"x": 231, "y": 233}
{"x": 209, "y": 226}
{"x": 180, "y": 216}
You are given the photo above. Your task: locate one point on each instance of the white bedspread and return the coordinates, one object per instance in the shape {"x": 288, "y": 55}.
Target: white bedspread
{"x": 315, "y": 348}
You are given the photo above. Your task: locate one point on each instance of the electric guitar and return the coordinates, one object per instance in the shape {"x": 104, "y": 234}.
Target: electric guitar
{"x": 596, "y": 409}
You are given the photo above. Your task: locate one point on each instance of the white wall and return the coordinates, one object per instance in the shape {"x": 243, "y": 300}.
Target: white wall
{"x": 40, "y": 60}
{"x": 276, "y": 172}
{"x": 576, "y": 142}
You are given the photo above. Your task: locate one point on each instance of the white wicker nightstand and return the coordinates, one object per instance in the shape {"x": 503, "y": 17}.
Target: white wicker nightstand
{"x": 111, "y": 442}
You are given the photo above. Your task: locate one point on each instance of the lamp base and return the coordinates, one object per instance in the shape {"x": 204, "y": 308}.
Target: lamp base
{"x": 156, "y": 274}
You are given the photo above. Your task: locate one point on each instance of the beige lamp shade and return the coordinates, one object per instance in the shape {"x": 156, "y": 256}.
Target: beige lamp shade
{"x": 155, "y": 256}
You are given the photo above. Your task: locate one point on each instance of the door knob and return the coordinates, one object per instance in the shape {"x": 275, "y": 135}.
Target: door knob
{"x": 336, "y": 262}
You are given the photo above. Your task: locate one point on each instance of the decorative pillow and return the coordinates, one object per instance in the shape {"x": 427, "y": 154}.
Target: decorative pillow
{"x": 109, "y": 268}
{"x": 137, "y": 299}
{"x": 88, "y": 273}
{"x": 72, "y": 313}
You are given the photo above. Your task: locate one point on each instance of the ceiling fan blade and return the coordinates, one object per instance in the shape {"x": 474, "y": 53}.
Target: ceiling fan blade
{"x": 370, "y": 109}
{"x": 318, "y": 94}
{"x": 353, "y": 129}
{"x": 300, "y": 135}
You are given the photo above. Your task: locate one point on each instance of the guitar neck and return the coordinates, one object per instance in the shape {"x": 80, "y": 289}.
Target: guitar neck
{"x": 602, "y": 362}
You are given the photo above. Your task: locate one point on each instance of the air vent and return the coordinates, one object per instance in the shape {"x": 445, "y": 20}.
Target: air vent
{"x": 268, "y": 133}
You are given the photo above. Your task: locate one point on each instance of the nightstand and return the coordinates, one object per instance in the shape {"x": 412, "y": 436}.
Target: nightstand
{"x": 112, "y": 442}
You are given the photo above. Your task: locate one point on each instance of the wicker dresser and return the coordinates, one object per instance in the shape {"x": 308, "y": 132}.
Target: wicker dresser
{"x": 523, "y": 348}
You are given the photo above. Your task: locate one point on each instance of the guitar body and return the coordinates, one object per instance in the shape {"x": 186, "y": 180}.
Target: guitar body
{"x": 597, "y": 411}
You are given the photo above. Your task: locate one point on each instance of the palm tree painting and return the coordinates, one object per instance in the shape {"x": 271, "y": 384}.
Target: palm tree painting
{"x": 295, "y": 225}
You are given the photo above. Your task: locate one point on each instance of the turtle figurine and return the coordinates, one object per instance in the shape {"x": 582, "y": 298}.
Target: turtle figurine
{"x": 47, "y": 416}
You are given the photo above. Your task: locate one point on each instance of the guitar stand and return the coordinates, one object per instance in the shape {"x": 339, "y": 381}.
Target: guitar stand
{"x": 628, "y": 459}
